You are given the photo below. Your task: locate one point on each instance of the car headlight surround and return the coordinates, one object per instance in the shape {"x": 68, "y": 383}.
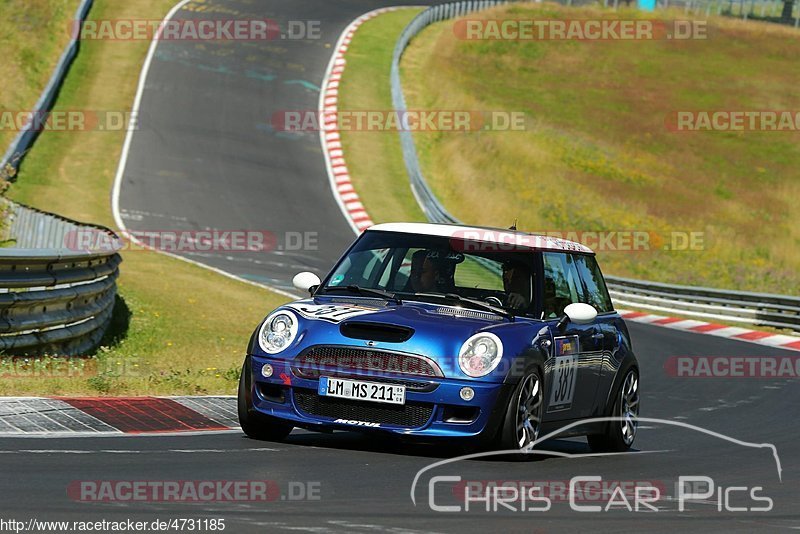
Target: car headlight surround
{"x": 480, "y": 354}
{"x": 278, "y": 331}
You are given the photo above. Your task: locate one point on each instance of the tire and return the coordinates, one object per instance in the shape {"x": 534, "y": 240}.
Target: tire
{"x": 256, "y": 425}
{"x": 523, "y": 419}
{"x": 620, "y": 434}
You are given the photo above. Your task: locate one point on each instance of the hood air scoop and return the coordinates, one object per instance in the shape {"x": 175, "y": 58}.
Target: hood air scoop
{"x": 375, "y": 331}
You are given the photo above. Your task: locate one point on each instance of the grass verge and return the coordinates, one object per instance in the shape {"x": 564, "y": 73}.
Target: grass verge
{"x": 374, "y": 159}
{"x": 33, "y": 34}
{"x": 595, "y": 154}
{"x": 179, "y": 329}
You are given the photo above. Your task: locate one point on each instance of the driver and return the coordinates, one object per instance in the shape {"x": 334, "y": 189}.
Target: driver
{"x": 431, "y": 272}
{"x": 423, "y": 276}
{"x": 517, "y": 285}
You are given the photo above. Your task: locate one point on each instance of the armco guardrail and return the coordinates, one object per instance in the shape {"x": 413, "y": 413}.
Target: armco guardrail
{"x": 22, "y": 143}
{"x": 433, "y": 209}
{"x": 57, "y": 283}
{"x": 736, "y": 306}
{"x": 58, "y": 279}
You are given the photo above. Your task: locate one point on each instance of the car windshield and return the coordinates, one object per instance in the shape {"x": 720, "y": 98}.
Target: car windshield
{"x": 428, "y": 268}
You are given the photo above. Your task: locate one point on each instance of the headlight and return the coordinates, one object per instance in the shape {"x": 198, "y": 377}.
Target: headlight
{"x": 480, "y": 354}
{"x": 277, "y": 332}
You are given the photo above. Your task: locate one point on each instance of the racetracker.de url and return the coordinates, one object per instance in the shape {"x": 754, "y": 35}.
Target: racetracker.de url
{"x": 123, "y": 525}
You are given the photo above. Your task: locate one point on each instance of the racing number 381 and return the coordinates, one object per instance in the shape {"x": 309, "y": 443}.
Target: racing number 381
{"x": 564, "y": 382}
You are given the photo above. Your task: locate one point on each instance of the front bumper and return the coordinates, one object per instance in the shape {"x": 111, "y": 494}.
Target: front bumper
{"x": 433, "y": 409}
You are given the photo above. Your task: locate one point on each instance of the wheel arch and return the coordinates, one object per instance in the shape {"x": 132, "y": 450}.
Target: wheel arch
{"x": 628, "y": 362}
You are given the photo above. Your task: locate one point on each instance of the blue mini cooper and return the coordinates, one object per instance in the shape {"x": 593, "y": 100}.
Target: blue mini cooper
{"x": 432, "y": 332}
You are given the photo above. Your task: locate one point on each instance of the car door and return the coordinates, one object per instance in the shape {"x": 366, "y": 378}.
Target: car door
{"x": 573, "y": 366}
{"x": 596, "y": 294}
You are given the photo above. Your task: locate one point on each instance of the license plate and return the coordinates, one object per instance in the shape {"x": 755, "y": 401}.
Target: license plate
{"x": 358, "y": 390}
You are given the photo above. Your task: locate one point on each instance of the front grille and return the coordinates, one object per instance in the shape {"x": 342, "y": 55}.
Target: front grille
{"x": 409, "y": 415}
{"x": 342, "y": 358}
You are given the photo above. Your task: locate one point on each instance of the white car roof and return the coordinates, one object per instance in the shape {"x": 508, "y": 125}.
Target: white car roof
{"x": 485, "y": 235}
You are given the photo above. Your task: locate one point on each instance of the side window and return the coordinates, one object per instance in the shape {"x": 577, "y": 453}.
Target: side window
{"x": 593, "y": 282}
{"x": 561, "y": 283}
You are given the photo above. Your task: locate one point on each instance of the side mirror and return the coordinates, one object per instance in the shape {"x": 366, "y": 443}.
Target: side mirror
{"x": 305, "y": 281}
{"x": 578, "y": 313}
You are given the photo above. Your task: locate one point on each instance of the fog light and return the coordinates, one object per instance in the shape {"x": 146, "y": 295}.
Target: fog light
{"x": 267, "y": 370}
{"x": 467, "y": 394}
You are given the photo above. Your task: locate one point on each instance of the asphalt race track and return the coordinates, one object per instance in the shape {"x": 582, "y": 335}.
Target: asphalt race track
{"x": 363, "y": 484}
{"x": 206, "y": 157}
